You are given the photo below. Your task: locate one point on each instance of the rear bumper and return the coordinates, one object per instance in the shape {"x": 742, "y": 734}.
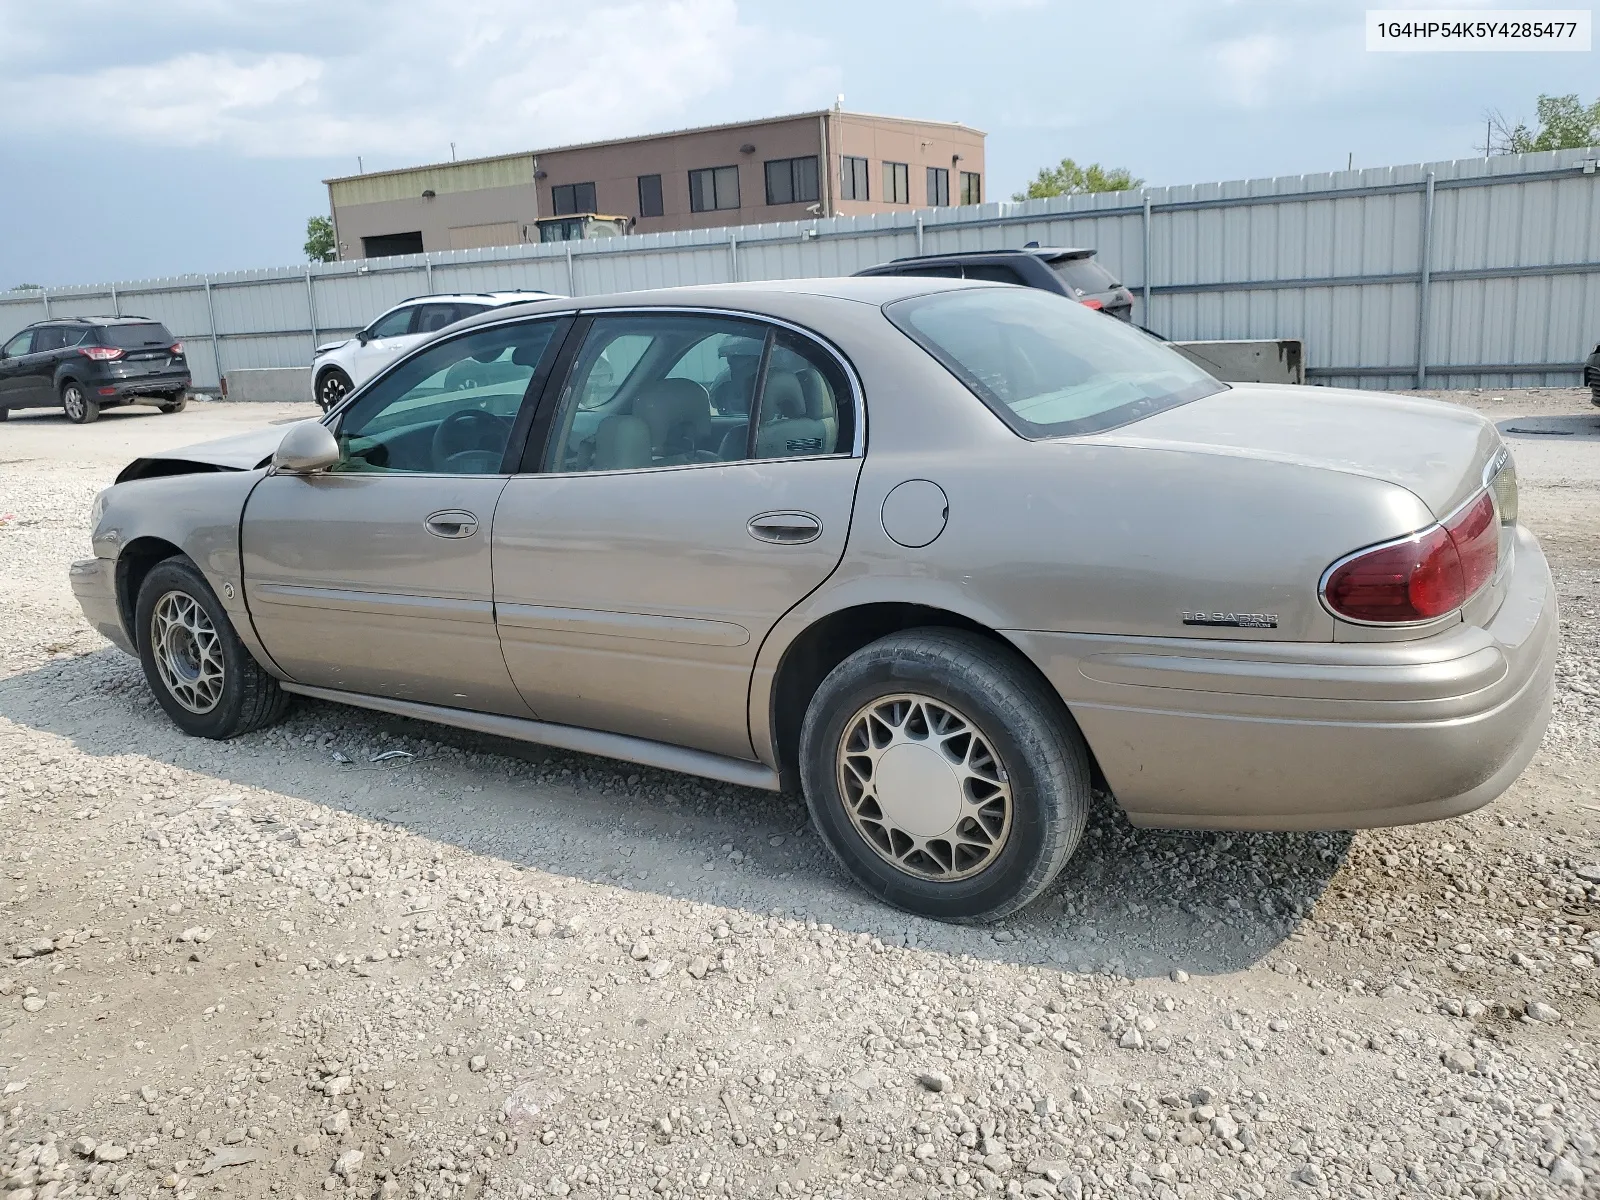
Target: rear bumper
{"x": 1256, "y": 735}
{"x": 94, "y": 583}
{"x": 140, "y": 385}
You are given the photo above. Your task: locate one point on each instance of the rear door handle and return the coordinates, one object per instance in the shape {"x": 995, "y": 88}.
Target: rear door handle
{"x": 785, "y": 528}
{"x": 452, "y": 523}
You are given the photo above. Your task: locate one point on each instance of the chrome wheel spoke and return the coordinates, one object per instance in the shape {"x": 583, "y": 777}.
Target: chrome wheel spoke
{"x": 188, "y": 652}
{"x": 924, "y": 787}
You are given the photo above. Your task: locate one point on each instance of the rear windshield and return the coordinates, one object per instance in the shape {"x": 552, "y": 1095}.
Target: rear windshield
{"x": 1048, "y": 366}
{"x": 1084, "y": 275}
{"x": 134, "y": 337}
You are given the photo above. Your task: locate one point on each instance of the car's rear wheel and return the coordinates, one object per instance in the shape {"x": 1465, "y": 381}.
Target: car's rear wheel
{"x": 946, "y": 776}
{"x": 175, "y": 403}
{"x": 194, "y": 662}
{"x": 80, "y": 407}
{"x": 333, "y": 385}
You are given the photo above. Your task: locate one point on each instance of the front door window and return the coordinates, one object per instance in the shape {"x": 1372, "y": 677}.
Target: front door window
{"x": 450, "y": 410}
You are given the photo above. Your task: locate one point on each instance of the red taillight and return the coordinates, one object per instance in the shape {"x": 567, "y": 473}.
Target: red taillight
{"x": 176, "y": 349}
{"x": 1476, "y": 535}
{"x": 1425, "y": 576}
{"x": 1091, "y": 304}
{"x": 100, "y": 353}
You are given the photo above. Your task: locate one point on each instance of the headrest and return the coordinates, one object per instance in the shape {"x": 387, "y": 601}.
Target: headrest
{"x": 820, "y": 405}
{"x": 621, "y": 442}
{"x": 783, "y": 399}
{"x": 528, "y": 354}
{"x": 674, "y": 406}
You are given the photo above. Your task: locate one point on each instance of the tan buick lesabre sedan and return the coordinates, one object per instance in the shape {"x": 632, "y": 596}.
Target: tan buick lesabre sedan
{"x": 944, "y": 555}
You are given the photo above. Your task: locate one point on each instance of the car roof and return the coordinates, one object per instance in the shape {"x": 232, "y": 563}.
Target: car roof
{"x": 776, "y": 298}
{"x": 93, "y": 320}
{"x": 508, "y": 296}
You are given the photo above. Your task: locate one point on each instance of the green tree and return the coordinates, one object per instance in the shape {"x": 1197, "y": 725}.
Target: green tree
{"x": 28, "y": 287}
{"x": 1565, "y": 123}
{"x": 319, "y": 239}
{"x": 1069, "y": 178}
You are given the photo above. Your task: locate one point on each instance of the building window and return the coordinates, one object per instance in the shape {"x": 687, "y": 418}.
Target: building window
{"x": 896, "y": 183}
{"x": 650, "y": 196}
{"x": 938, "y": 186}
{"x": 569, "y": 198}
{"x": 853, "y": 178}
{"x": 792, "y": 180}
{"x": 971, "y": 187}
{"x": 712, "y": 188}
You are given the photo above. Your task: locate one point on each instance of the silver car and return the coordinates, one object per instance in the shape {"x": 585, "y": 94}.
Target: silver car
{"x": 947, "y": 556}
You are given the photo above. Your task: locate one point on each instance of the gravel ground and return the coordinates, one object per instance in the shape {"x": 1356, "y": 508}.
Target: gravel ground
{"x": 303, "y": 963}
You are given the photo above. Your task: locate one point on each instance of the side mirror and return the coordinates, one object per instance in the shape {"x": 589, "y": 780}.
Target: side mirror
{"x": 363, "y": 337}
{"x": 307, "y": 448}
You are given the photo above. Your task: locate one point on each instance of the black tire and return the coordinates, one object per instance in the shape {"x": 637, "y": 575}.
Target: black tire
{"x": 176, "y": 404}
{"x": 80, "y": 407}
{"x": 4, "y": 413}
{"x": 333, "y": 385}
{"x": 1041, "y": 756}
{"x": 248, "y": 697}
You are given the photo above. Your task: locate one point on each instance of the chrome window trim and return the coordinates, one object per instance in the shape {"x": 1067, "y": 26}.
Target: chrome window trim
{"x": 858, "y": 448}
{"x": 1443, "y": 618}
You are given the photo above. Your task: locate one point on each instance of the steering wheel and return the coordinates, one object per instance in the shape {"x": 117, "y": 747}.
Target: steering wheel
{"x": 463, "y": 441}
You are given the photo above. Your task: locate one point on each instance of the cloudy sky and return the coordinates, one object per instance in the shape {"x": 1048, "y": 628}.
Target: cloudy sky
{"x": 173, "y": 136}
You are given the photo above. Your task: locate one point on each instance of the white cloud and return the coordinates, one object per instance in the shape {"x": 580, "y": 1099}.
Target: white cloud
{"x": 403, "y": 81}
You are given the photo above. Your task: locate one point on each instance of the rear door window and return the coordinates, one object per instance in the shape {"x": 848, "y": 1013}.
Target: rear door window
{"x": 51, "y": 337}
{"x": 1084, "y": 276}
{"x": 136, "y": 337}
{"x": 992, "y": 273}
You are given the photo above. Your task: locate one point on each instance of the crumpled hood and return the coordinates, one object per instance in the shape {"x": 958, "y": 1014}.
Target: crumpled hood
{"x": 1436, "y": 450}
{"x": 236, "y": 452}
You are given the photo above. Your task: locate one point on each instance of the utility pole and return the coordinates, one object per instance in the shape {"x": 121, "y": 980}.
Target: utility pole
{"x": 1488, "y": 135}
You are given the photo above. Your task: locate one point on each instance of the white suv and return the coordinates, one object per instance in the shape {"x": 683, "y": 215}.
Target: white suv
{"x": 337, "y": 367}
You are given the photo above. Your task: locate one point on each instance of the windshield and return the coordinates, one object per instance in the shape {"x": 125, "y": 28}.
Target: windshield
{"x": 1046, "y": 365}
{"x": 1084, "y": 276}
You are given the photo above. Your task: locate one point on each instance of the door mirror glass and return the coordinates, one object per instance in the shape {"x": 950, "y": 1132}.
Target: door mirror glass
{"x": 306, "y": 448}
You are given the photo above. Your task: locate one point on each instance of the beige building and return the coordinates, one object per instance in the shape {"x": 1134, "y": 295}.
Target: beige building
{"x": 784, "y": 169}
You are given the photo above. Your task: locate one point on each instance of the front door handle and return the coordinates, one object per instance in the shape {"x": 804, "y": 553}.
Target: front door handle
{"x": 452, "y": 523}
{"x": 785, "y": 528}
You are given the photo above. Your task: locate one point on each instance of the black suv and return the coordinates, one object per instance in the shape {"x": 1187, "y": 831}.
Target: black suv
{"x": 1071, "y": 272}
{"x": 85, "y": 364}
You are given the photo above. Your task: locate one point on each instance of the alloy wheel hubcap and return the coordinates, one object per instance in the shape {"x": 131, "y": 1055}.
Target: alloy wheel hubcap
{"x": 187, "y": 651}
{"x": 333, "y": 391}
{"x": 74, "y": 402}
{"x": 924, "y": 787}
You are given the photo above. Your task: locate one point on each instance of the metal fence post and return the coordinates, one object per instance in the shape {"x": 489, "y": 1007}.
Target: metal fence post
{"x": 116, "y": 306}
{"x": 427, "y": 273}
{"x": 1423, "y": 274}
{"x": 733, "y": 259}
{"x": 572, "y": 278}
{"x": 311, "y": 306}
{"x": 919, "y": 233}
{"x": 211, "y": 318}
{"x": 44, "y": 294}
{"x": 1147, "y": 258}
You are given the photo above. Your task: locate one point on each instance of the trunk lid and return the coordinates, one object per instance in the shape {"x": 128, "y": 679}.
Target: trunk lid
{"x": 1436, "y": 450}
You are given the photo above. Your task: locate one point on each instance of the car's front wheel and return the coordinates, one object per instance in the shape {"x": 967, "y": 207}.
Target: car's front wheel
{"x": 946, "y": 776}
{"x": 80, "y": 407}
{"x": 194, "y": 662}
{"x": 333, "y": 385}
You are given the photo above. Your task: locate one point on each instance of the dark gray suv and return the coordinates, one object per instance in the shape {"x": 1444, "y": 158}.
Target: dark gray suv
{"x": 1069, "y": 271}
{"x": 85, "y": 364}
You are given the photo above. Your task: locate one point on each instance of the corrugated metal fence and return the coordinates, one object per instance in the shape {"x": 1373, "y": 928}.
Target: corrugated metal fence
{"x": 1477, "y": 273}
